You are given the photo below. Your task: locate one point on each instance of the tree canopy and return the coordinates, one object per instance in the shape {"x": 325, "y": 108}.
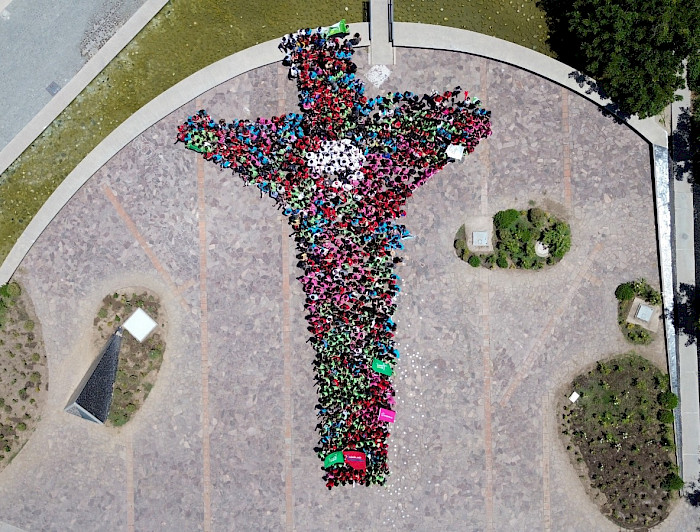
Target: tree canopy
{"x": 634, "y": 49}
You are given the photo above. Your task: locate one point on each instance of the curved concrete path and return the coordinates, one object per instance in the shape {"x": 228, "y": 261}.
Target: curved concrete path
{"x": 225, "y": 439}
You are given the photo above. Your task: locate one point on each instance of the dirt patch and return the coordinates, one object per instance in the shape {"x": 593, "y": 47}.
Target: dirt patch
{"x": 619, "y": 435}
{"x": 23, "y": 373}
{"x": 139, "y": 363}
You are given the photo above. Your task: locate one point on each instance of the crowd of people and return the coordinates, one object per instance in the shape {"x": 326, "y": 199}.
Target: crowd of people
{"x": 342, "y": 170}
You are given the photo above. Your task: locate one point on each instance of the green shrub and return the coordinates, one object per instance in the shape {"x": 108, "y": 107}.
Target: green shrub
{"x": 10, "y": 290}
{"x": 624, "y": 292}
{"x": 638, "y": 335}
{"x": 668, "y": 400}
{"x": 118, "y": 419}
{"x": 665, "y": 416}
{"x": 523, "y": 234}
{"x": 505, "y": 219}
{"x": 21, "y": 426}
{"x": 672, "y": 482}
{"x": 558, "y": 238}
{"x": 537, "y": 217}
{"x": 501, "y": 261}
{"x": 644, "y": 290}
{"x": 474, "y": 261}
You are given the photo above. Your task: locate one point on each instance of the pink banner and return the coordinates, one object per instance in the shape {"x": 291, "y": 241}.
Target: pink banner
{"x": 387, "y": 415}
{"x": 355, "y": 459}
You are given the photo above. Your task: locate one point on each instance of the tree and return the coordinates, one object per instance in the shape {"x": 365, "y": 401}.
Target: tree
{"x": 624, "y": 292}
{"x": 672, "y": 482}
{"x": 633, "y": 48}
{"x": 668, "y": 400}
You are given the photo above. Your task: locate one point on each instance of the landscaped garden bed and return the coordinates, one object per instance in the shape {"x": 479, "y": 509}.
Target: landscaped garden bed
{"x": 139, "y": 363}
{"x": 528, "y": 239}
{"x": 23, "y": 373}
{"x": 627, "y": 294}
{"x": 619, "y": 434}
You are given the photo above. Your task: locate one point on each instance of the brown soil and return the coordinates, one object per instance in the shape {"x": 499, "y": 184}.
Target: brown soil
{"x": 23, "y": 373}
{"x": 616, "y": 443}
{"x": 139, "y": 363}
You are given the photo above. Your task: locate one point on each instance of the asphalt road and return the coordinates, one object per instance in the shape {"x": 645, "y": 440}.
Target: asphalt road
{"x": 48, "y": 41}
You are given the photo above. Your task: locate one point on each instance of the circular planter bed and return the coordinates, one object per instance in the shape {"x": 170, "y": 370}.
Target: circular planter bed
{"x": 139, "y": 363}
{"x": 619, "y": 435}
{"x": 527, "y": 240}
{"x": 24, "y": 372}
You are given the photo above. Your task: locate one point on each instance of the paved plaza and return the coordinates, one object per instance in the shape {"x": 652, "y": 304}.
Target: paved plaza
{"x": 225, "y": 440}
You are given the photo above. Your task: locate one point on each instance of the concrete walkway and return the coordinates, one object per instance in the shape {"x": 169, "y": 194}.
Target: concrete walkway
{"x": 685, "y": 289}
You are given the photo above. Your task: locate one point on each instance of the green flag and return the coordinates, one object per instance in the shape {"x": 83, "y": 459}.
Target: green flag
{"x": 382, "y": 367}
{"x": 334, "y": 459}
{"x": 340, "y": 28}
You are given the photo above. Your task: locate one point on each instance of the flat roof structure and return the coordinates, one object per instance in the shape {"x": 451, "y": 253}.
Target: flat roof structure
{"x": 140, "y": 324}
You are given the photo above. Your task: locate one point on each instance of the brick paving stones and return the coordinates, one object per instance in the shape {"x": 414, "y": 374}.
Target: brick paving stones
{"x": 483, "y": 353}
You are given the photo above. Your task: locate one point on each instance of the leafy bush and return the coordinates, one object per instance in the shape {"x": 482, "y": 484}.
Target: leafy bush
{"x": 665, "y": 416}
{"x": 505, "y": 219}
{"x": 537, "y": 217}
{"x": 624, "y": 292}
{"x": 474, "y": 261}
{"x": 558, "y": 238}
{"x": 638, "y": 335}
{"x": 668, "y": 400}
{"x": 644, "y": 290}
{"x": 672, "y": 482}
{"x": 501, "y": 261}
{"x": 10, "y": 291}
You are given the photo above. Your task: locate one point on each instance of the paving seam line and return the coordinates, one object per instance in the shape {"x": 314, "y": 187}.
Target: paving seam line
{"x": 205, "y": 414}
{"x": 82, "y": 79}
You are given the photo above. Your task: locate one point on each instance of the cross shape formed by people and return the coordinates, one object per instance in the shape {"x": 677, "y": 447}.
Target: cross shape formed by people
{"x": 342, "y": 170}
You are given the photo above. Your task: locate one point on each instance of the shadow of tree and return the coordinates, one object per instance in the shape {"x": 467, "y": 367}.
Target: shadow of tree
{"x": 682, "y": 146}
{"x": 685, "y": 311}
{"x": 610, "y": 109}
{"x": 692, "y": 494}
{"x": 560, "y": 39}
